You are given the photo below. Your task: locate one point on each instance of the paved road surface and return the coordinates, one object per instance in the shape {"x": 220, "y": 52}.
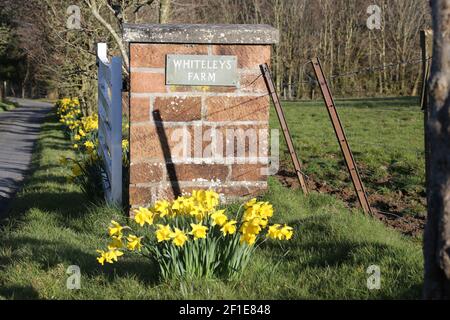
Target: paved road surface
{"x": 19, "y": 130}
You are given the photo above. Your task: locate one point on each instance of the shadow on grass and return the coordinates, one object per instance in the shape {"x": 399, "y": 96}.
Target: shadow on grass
{"x": 19, "y": 292}
{"x": 48, "y": 254}
{"x": 72, "y": 202}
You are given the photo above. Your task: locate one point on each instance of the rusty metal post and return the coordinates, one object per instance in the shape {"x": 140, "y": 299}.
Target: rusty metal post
{"x": 340, "y": 135}
{"x": 287, "y": 136}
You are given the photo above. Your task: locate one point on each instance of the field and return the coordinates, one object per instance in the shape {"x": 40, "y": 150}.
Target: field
{"x": 52, "y": 227}
{"x": 386, "y": 137}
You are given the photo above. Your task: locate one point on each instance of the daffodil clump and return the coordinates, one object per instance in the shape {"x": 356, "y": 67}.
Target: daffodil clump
{"x": 82, "y": 129}
{"x": 191, "y": 237}
{"x": 87, "y": 169}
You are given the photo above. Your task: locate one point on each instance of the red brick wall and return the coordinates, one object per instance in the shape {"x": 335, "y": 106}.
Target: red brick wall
{"x": 157, "y": 111}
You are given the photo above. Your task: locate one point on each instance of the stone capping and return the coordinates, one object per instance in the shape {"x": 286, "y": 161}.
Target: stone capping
{"x": 201, "y": 33}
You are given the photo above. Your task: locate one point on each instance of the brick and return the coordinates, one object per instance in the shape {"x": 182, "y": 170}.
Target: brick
{"x": 192, "y": 172}
{"x": 253, "y": 83}
{"x": 248, "y": 56}
{"x": 232, "y": 192}
{"x": 146, "y": 172}
{"x": 140, "y": 109}
{"x": 147, "y": 82}
{"x": 178, "y": 108}
{"x": 147, "y": 196}
{"x": 154, "y": 55}
{"x": 152, "y": 142}
{"x": 237, "y": 108}
{"x": 140, "y": 196}
{"x": 169, "y": 192}
{"x": 247, "y": 172}
{"x": 243, "y": 141}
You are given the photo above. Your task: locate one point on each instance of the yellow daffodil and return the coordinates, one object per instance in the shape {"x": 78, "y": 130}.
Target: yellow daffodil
{"x": 113, "y": 254}
{"x": 124, "y": 144}
{"x": 248, "y": 238}
{"x": 219, "y": 218}
{"x": 211, "y": 199}
{"x": 182, "y": 204}
{"x": 206, "y": 199}
{"x": 115, "y": 229}
{"x": 274, "y": 231}
{"x": 103, "y": 257}
{"x": 287, "y": 232}
{"x": 116, "y": 242}
{"x": 143, "y": 216}
{"x": 77, "y": 137}
{"x": 266, "y": 210}
{"x": 110, "y": 256}
{"x": 89, "y": 145}
{"x": 179, "y": 237}
{"x": 178, "y": 204}
{"x": 229, "y": 227}
{"x": 163, "y": 233}
{"x": 262, "y": 222}
{"x": 198, "y": 231}
{"x": 251, "y": 212}
{"x": 134, "y": 242}
{"x": 250, "y": 203}
{"x": 250, "y": 227}
{"x": 162, "y": 207}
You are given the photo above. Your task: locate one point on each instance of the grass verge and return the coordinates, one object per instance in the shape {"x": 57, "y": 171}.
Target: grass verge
{"x": 52, "y": 227}
{"x": 6, "y": 105}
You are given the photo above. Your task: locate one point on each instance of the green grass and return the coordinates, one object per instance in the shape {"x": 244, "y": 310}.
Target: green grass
{"x": 53, "y": 227}
{"x": 6, "y": 105}
{"x": 386, "y": 137}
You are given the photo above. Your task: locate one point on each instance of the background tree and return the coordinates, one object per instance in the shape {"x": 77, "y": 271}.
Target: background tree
{"x": 437, "y": 231}
{"x": 164, "y": 11}
{"x": 61, "y": 61}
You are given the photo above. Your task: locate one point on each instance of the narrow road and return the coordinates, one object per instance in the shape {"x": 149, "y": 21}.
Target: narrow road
{"x": 19, "y": 131}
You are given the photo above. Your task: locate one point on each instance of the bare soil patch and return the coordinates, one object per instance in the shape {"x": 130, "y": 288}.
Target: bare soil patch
{"x": 386, "y": 208}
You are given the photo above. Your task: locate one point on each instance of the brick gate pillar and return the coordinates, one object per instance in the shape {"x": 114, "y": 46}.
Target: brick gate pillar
{"x": 186, "y": 132}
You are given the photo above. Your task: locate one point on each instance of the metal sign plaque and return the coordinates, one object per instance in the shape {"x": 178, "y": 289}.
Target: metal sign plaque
{"x": 201, "y": 70}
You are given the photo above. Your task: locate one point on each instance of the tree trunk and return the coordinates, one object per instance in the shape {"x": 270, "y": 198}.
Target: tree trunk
{"x": 437, "y": 230}
{"x": 300, "y": 84}
{"x": 2, "y": 92}
{"x": 290, "y": 84}
{"x": 164, "y": 11}
{"x": 26, "y": 78}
